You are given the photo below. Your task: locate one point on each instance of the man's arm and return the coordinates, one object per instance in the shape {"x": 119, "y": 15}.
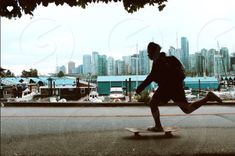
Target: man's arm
{"x": 147, "y": 81}
{"x": 144, "y": 84}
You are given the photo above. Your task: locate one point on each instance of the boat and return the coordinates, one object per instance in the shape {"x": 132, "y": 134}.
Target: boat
{"x": 57, "y": 99}
{"x": 27, "y": 96}
{"x": 189, "y": 96}
{"x": 226, "y": 94}
{"x": 94, "y": 97}
{"x": 116, "y": 94}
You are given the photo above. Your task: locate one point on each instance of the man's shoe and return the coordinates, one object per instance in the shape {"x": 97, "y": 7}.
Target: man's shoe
{"x": 155, "y": 129}
{"x": 212, "y": 97}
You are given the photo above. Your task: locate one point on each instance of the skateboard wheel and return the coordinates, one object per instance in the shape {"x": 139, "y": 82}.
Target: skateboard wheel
{"x": 169, "y": 134}
{"x": 136, "y": 134}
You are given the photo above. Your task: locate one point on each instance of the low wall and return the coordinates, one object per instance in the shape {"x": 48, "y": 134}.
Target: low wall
{"x": 91, "y": 104}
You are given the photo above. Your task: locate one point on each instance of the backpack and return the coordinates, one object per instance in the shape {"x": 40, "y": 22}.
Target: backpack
{"x": 175, "y": 69}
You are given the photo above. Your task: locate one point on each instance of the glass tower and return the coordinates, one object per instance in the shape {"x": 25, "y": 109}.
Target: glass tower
{"x": 185, "y": 52}
{"x": 225, "y": 56}
{"x": 86, "y": 64}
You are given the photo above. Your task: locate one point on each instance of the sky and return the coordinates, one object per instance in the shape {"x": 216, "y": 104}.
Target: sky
{"x": 56, "y": 35}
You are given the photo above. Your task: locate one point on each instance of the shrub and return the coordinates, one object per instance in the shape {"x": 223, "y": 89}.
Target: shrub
{"x": 143, "y": 97}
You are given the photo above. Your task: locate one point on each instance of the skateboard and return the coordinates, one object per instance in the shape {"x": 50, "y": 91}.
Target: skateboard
{"x": 167, "y": 131}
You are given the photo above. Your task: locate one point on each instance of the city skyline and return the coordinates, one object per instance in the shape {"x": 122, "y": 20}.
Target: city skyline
{"x": 73, "y": 68}
{"x": 57, "y": 35}
{"x": 209, "y": 62}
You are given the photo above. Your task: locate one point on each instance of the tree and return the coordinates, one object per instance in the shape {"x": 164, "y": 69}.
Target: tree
{"x": 15, "y": 8}
{"x": 24, "y": 73}
{"x": 60, "y": 74}
{"x": 33, "y": 72}
{"x": 30, "y": 73}
{"x": 7, "y": 73}
{"x": 191, "y": 73}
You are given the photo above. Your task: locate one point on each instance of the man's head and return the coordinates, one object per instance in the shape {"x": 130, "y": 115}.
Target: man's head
{"x": 153, "y": 50}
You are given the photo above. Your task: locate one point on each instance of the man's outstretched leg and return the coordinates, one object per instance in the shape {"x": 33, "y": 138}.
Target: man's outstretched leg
{"x": 156, "y": 116}
{"x": 189, "y": 108}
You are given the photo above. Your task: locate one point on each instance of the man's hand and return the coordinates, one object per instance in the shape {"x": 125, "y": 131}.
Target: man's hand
{"x": 138, "y": 90}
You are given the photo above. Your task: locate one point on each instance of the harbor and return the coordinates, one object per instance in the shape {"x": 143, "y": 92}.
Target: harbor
{"x": 108, "y": 89}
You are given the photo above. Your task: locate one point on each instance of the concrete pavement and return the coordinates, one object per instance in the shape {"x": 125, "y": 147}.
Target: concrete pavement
{"x": 100, "y": 131}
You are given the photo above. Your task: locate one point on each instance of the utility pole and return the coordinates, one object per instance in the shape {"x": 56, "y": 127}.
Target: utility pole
{"x": 137, "y": 65}
{"x": 129, "y": 89}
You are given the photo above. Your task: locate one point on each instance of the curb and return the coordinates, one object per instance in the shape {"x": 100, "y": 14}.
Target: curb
{"x": 93, "y": 104}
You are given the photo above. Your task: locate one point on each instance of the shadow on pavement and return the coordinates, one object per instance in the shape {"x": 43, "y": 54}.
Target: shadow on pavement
{"x": 150, "y": 137}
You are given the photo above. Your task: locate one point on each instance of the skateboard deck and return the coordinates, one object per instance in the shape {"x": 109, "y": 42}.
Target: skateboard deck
{"x": 167, "y": 131}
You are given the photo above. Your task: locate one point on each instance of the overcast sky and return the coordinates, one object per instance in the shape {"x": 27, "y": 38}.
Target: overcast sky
{"x": 56, "y": 35}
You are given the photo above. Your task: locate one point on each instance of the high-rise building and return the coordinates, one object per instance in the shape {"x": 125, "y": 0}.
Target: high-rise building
{"x": 86, "y": 64}
{"x": 192, "y": 64}
{"x": 218, "y": 65}
{"x": 199, "y": 64}
{"x": 226, "y": 61}
{"x": 94, "y": 63}
{"x": 143, "y": 63}
{"x": 102, "y": 65}
{"x": 75, "y": 70}
{"x": 127, "y": 64}
{"x": 232, "y": 62}
{"x": 71, "y": 67}
{"x": 210, "y": 62}
{"x": 120, "y": 67}
{"x": 134, "y": 64}
{"x": 175, "y": 52}
{"x": 80, "y": 69}
{"x": 204, "y": 53}
{"x": 111, "y": 66}
{"x": 185, "y": 52}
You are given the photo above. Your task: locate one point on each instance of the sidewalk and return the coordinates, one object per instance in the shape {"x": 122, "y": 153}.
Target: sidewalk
{"x": 100, "y": 131}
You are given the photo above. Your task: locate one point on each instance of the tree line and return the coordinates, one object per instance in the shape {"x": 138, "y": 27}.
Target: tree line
{"x": 26, "y": 73}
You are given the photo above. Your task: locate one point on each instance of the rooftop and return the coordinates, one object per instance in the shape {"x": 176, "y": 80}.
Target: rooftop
{"x": 142, "y": 77}
{"x": 121, "y": 78}
{"x": 44, "y": 79}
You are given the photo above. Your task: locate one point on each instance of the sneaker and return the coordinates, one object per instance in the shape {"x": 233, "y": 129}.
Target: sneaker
{"x": 212, "y": 97}
{"x": 155, "y": 129}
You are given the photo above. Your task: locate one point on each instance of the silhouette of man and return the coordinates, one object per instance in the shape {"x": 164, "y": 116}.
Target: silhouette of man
{"x": 169, "y": 88}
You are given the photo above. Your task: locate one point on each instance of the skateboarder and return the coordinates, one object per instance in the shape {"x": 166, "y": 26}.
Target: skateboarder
{"x": 170, "y": 85}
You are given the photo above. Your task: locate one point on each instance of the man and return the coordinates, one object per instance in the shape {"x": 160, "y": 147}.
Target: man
{"x": 170, "y": 86}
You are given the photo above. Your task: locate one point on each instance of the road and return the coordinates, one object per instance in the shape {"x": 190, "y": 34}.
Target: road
{"x": 100, "y": 131}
